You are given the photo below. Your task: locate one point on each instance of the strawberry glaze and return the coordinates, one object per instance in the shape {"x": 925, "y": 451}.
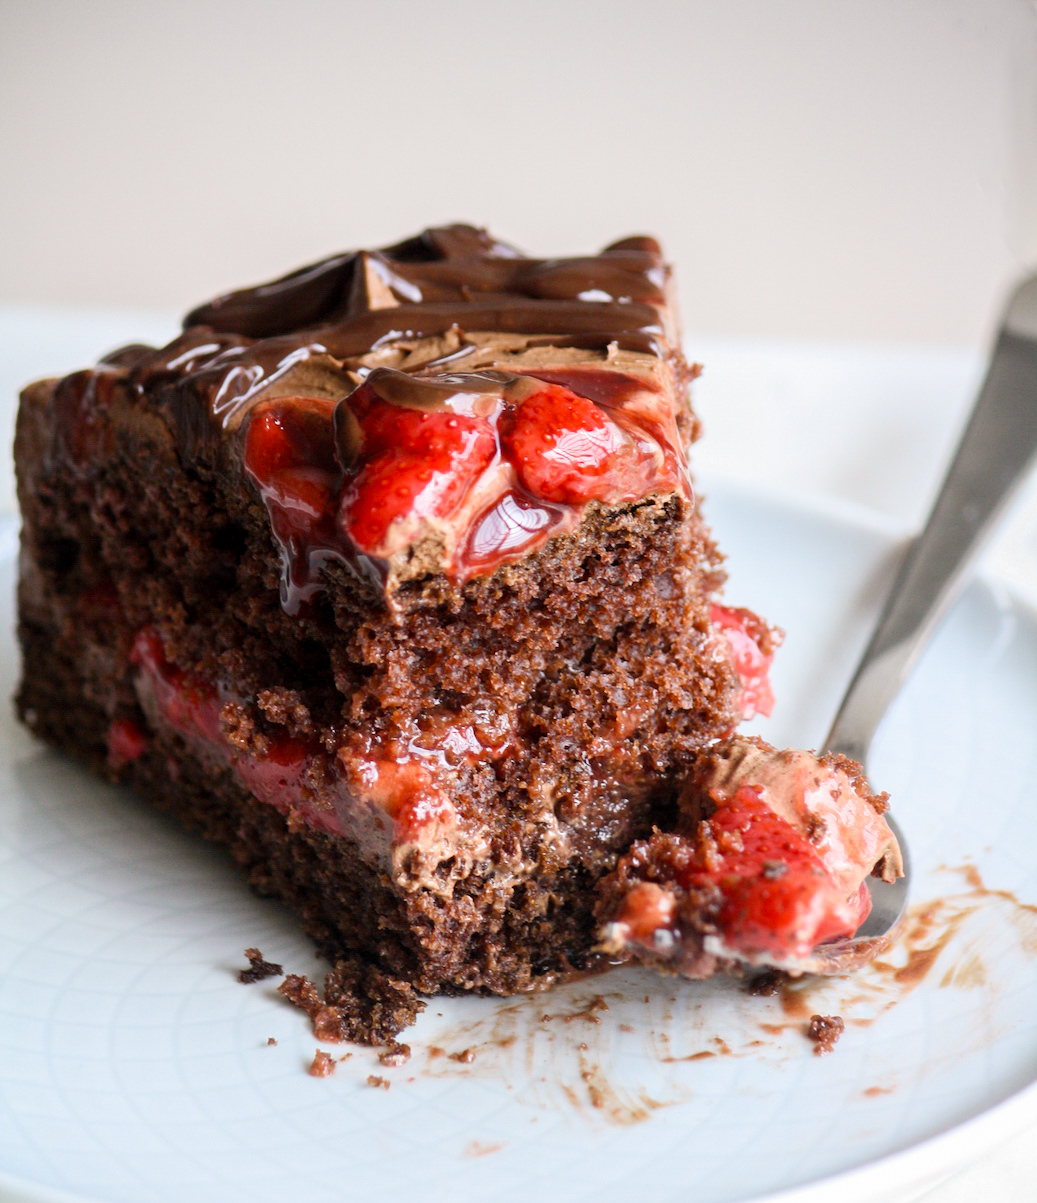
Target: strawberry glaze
{"x": 385, "y": 797}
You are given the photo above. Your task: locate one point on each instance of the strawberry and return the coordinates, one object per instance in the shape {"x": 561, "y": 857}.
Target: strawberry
{"x": 290, "y": 454}
{"x": 276, "y": 776}
{"x": 415, "y": 462}
{"x": 420, "y": 810}
{"x": 565, "y": 449}
{"x": 290, "y": 432}
{"x": 298, "y": 499}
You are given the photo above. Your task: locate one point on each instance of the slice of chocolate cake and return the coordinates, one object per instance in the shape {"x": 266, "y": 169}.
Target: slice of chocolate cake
{"x": 390, "y": 577}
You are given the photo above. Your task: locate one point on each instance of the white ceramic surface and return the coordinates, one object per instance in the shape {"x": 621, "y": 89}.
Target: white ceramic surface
{"x": 134, "y": 1067}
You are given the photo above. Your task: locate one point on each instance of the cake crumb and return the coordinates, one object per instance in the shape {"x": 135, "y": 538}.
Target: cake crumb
{"x": 361, "y": 1003}
{"x": 239, "y": 729}
{"x": 323, "y": 1065}
{"x": 301, "y": 993}
{"x": 270, "y": 1040}
{"x": 395, "y": 1054}
{"x": 466, "y": 1056}
{"x": 285, "y": 708}
{"x": 765, "y": 984}
{"x": 258, "y": 968}
{"x": 380, "y": 1083}
{"x": 825, "y": 1030}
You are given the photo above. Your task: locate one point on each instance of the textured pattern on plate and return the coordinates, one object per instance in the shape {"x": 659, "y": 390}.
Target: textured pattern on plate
{"x": 134, "y": 1067}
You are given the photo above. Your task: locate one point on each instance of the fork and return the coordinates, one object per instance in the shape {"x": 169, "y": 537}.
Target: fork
{"x": 992, "y": 460}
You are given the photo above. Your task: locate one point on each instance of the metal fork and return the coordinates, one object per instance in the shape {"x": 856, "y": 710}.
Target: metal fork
{"x": 993, "y": 458}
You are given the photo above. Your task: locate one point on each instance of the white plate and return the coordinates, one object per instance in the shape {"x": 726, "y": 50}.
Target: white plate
{"x": 133, "y": 1066}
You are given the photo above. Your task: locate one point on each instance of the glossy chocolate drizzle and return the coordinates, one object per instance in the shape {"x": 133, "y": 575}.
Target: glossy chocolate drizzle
{"x": 449, "y": 279}
{"x": 458, "y": 276}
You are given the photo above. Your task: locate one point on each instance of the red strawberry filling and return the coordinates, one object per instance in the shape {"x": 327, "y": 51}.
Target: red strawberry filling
{"x": 565, "y": 449}
{"x": 190, "y": 706}
{"x": 486, "y": 464}
{"x": 420, "y": 464}
{"x": 368, "y": 785}
{"x": 126, "y": 742}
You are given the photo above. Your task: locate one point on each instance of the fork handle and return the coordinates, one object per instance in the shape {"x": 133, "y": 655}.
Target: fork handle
{"x": 992, "y": 459}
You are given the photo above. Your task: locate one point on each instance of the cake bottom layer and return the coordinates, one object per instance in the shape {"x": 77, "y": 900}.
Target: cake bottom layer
{"x": 482, "y": 937}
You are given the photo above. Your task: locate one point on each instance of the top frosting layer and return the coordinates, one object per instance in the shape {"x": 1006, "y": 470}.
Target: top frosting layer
{"x": 444, "y": 405}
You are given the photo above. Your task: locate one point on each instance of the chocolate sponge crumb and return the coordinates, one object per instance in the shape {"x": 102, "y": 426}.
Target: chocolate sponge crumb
{"x": 258, "y": 968}
{"x": 825, "y": 1030}
{"x": 395, "y": 1054}
{"x": 323, "y": 1065}
{"x": 361, "y": 1004}
{"x": 301, "y": 993}
{"x": 375, "y": 1080}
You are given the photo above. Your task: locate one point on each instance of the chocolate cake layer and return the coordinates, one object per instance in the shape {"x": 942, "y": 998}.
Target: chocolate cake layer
{"x": 390, "y": 577}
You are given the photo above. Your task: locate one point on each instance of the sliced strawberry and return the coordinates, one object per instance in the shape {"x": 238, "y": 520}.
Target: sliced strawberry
{"x": 386, "y": 426}
{"x": 290, "y": 454}
{"x": 290, "y": 432}
{"x": 415, "y": 462}
{"x": 565, "y": 449}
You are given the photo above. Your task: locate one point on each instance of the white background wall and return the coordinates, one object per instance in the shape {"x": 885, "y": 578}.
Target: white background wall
{"x": 862, "y": 169}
